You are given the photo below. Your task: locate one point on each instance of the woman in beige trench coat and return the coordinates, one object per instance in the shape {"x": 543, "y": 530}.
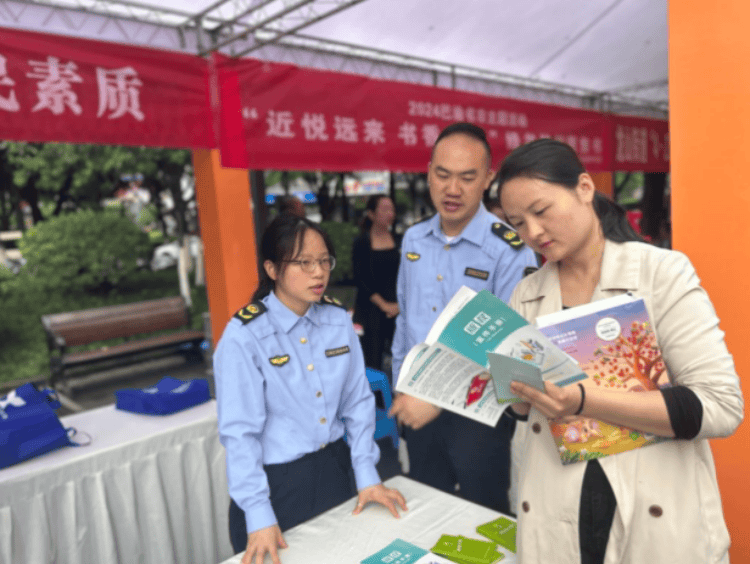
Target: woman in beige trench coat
{"x": 656, "y": 504}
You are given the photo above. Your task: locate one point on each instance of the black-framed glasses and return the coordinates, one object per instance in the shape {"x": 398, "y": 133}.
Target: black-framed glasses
{"x": 308, "y": 265}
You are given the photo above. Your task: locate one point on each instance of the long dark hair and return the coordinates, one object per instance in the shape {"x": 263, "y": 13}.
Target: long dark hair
{"x": 370, "y": 206}
{"x": 281, "y": 241}
{"x": 556, "y": 162}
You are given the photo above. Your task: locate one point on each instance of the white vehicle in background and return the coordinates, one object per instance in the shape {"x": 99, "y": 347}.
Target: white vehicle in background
{"x": 10, "y": 256}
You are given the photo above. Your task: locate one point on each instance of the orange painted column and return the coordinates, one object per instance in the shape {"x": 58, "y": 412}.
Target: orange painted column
{"x": 228, "y": 233}
{"x": 603, "y": 182}
{"x": 709, "y": 89}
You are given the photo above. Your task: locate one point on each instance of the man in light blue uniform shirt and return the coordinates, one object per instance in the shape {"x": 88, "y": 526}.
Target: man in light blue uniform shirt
{"x": 462, "y": 245}
{"x": 288, "y": 386}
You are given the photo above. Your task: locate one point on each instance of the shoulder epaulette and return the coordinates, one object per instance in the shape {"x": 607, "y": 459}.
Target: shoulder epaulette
{"x": 332, "y": 301}
{"x": 250, "y": 311}
{"x": 507, "y": 235}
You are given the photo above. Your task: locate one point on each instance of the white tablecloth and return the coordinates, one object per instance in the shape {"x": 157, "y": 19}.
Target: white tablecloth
{"x": 338, "y": 537}
{"x": 148, "y": 489}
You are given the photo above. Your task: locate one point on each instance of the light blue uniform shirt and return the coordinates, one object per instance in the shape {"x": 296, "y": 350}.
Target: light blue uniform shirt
{"x": 286, "y": 386}
{"x": 433, "y": 269}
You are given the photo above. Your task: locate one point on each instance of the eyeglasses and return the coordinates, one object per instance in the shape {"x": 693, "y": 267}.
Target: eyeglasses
{"x": 308, "y": 265}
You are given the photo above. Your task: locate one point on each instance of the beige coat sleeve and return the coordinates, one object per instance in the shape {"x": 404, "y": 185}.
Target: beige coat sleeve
{"x": 693, "y": 345}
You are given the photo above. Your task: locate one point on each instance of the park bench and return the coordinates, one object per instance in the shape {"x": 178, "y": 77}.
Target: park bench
{"x": 137, "y": 322}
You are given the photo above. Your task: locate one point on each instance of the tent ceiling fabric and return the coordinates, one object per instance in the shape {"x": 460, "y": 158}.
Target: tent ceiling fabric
{"x": 610, "y": 55}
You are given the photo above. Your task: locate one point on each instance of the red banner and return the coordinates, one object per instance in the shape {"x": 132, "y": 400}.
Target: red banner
{"x": 640, "y": 144}
{"x": 55, "y": 88}
{"x": 296, "y": 118}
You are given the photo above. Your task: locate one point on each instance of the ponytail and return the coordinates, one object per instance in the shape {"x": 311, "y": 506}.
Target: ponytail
{"x": 614, "y": 221}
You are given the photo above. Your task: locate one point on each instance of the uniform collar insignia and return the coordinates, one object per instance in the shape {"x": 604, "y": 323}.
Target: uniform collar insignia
{"x": 250, "y": 312}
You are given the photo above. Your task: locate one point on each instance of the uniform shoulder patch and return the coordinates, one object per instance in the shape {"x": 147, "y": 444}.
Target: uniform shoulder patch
{"x": 250, "y": 311}
{"x": 507, "y": 235}
{"x": 332, "y": 301}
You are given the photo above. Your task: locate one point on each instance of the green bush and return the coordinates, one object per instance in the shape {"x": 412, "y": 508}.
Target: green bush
{"x": 86, "y": 249}
{"x": 342, "y": 235}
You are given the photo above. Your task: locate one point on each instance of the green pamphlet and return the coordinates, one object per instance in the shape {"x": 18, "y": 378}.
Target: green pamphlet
{"x": 402, "y": 552}
{"x": 502, "y": 531}
{"x": 463, "y": 550}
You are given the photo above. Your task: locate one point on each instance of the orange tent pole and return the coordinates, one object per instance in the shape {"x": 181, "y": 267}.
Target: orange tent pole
{"x": 228, "y": 232}
{"x": 709, "y": 88}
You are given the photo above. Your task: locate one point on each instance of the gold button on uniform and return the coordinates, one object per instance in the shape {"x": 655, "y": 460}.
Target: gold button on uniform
{"x": 310, "y": 367}
{"x": 439, "y": 277}
{"x": 447, "y": 247}
{"x": 322, "y": 420}
{"x": 302, "y": 340}
{"x": 318, "y": 394}
{"x": 322, "y": 446}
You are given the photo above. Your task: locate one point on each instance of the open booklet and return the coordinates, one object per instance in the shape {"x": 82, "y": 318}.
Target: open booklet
{"x": 478, "y": 339}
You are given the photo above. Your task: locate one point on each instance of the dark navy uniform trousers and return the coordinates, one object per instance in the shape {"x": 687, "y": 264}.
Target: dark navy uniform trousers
{"x": 453, "y": 449}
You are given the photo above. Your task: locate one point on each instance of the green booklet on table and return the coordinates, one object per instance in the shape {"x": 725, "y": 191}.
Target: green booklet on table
{"x": 502, "y": 531}
{"x": 463, "y": 550}
{"x": 402, "y": 552}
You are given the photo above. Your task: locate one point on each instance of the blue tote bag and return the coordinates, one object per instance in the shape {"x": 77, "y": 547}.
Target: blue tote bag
{"x": 169, "y": 395}
{"x": 29, "y": 425}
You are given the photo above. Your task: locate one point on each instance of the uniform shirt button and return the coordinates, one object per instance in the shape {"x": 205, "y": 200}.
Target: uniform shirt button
{"x": 302, "y": 340}
{"x": 322, "y": 446}
{"x": 310, "y": 367}
{"x": 439, "y": 277}
{"x": 525, "y": 506}
{"x": 318, "y": 394}
{"x": 434, "y": 309}
{"x": 323, "y": 420}
{"x": 447, "y": 247}
{"x": 537, "y": 428}
{"x": 655, "y": 511}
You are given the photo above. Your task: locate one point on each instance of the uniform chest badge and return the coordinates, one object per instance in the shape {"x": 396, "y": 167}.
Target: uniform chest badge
{"x": 476, "y": 273}
{"x": 413, "y": 256}
{"x": 337, "y": 351}
{"x": 279, "y": 360}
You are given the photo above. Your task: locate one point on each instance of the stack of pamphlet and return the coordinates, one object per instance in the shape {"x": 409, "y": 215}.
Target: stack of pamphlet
{"x": 464, "y": 550}
{"x": 502, "y": 531}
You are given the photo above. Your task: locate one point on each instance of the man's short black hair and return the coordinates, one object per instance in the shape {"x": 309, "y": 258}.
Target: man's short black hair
{"x": 468, "y": 129}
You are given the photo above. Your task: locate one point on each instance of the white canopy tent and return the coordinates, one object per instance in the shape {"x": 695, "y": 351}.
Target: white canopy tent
{"x": 608, "y": 56}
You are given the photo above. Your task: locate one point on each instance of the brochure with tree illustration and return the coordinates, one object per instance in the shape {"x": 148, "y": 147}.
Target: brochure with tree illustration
{"x": 614, "y": 343}
{"x": 451, "y": 369}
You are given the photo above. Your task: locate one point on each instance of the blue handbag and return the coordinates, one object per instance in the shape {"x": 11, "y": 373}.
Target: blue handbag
{"x": 169, "y": 395}
{"x": 29, "y": 425}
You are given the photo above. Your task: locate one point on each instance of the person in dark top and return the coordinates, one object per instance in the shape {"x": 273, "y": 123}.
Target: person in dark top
{"x": 375, "y": 260}
{"x": 643, "y": 505}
